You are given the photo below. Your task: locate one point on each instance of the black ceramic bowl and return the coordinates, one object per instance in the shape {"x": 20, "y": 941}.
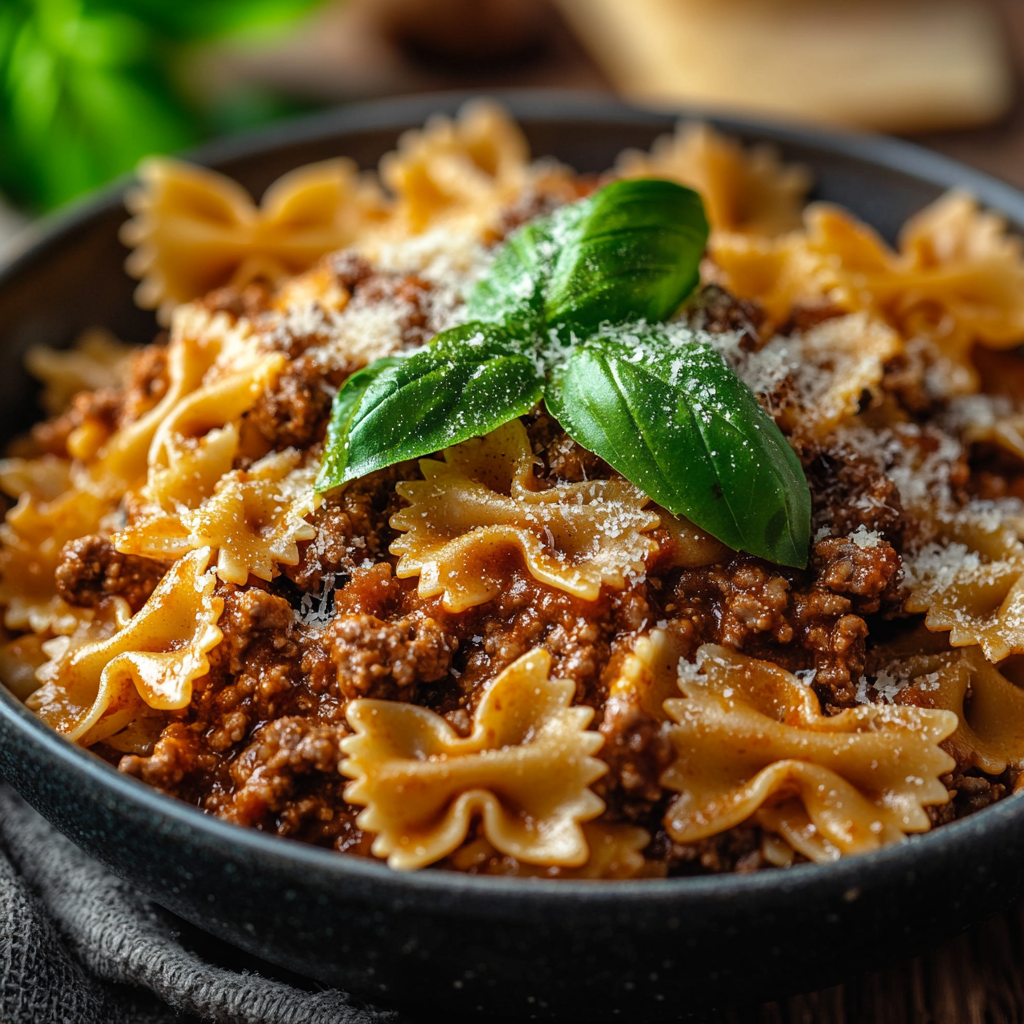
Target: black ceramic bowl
{"x": 455, "y": 945}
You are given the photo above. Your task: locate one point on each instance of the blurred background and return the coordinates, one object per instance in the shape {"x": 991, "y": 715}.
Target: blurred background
{"x": 88, "y": 87}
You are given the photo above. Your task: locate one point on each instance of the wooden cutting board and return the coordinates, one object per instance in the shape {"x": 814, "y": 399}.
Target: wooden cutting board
{"x": 892, "y": 65}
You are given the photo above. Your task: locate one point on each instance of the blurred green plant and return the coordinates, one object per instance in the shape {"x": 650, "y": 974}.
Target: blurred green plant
{"x": 89, "y": 87}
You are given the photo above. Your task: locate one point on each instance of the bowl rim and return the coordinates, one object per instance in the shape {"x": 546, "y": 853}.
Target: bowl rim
{"x": 433, "y": 889}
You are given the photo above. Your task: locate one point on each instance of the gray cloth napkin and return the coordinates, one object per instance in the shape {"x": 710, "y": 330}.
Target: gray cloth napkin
{"x": 79, "y": 946}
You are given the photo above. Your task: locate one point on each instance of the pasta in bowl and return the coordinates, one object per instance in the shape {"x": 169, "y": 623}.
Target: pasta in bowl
{"x": 436, "y": 533}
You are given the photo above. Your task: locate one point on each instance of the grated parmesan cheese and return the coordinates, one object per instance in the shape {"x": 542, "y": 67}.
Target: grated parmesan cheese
{"x": 865, "y": 538}
{"x": 885, "y": 687}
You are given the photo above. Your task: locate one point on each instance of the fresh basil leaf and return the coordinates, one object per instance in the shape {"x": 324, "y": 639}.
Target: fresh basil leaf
{"x": 634, "y": 252}
{"x": 511, "y": 291}
{"x": 631, "y": 250}
{"x": 84, "y": 95}
{"x": 346, "y": 405}
{"x": 674, "y": 419}
{"x": 469, "y": 381}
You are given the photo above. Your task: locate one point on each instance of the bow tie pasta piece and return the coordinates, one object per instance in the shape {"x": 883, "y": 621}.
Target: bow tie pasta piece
{"x": 616, "y": 851}
{"x": 971, "y": 583}
{"x": 957, "y": 279}
{"x": 96, "y": 360}
{"x": 649, "y": 676}
{"x": 196, "y": 445}
{"x": 834, "y": 364}
{"x": 750, "y": 192}
{"x": 194, "y": 230}
{"x": 60, "y": 502}
{"x": 466, "y": 169}
{"x": 815, "y": 380}
{"x": 480, "y": 502}
{"x": 173, "y": 474}
{"x": 965, "y": 260}
{"x": 31, "y": 539}
{"x": 92, "y": 691}
{"x": 748, "y": 734}
{"x": 990, "y": 735}
{"x": 255, "y": 517}
{"x": 789, "y": 821}
{"x": 192, "y": 449}
{"x": 254, "y": 520}
{"x": 992, "y": 421}
{"x": 21, "y": 658}
{"x": 525, "y": 771}
{"x": 782, "y": 274}
{"x": 45, "y": 478}
{"x": 191, "y": 352}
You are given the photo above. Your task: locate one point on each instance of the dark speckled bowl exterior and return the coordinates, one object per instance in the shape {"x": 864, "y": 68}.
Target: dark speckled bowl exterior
{"x": 450, "y": 945}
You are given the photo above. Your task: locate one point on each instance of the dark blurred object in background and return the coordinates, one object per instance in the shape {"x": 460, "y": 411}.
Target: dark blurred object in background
{"x": 467, "y": 33}
{"x": 359, "y": 49}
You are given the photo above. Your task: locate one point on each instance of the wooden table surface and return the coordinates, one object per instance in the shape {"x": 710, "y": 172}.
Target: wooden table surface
{"x": 976, "y": 979}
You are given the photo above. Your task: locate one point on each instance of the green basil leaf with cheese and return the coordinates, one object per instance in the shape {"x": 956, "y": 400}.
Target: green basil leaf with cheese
{"x": 509, "y": 292}
{"x": 467, "y": 382}
{"x": 633, "y": 253}
{"x": 343, "y": 412}
{"x": 632, "y": 250}
{"x": 675, "y": 420}
{"x": 667, "y": 412}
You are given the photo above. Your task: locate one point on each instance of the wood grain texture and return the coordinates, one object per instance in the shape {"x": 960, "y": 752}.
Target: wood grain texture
{"x": 977, "y": 978}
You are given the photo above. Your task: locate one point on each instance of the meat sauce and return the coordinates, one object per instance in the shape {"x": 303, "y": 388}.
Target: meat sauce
{"x": 259, "y": 743}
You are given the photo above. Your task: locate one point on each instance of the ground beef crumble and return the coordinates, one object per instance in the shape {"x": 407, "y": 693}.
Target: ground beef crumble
{"x": 90, "y": 570}
{"x": 385, "y": 659}
{"x": 293, "y": 413}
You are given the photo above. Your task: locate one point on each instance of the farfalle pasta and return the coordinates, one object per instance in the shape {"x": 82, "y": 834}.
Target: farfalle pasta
{"x": 747, "y": 733}
{"x": 465, "y": 170}
{"x": 616, "y": 852}
{"x": 503, "y": 657}
{"x": 194, "y": 229}
{"x": 92, "y": 691}
{"x": 33, "y": 535}
{"x": 96, "y": 360}
{"x": 746, "y": 191}
{"x": 990, "y": 729}
{"x": 254, "y": 519}
{"x": 956, "y": 279}
{"x": 970, "y": 581}
{"x": 482, "y": 500}
{"x": 525, "y": 770}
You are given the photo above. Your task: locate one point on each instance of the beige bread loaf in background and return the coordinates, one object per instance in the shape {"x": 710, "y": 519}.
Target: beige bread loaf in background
{"x": 891, "y": 65}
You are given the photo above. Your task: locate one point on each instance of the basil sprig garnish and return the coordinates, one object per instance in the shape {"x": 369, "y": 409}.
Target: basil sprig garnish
{"x": 568, "y": 312}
